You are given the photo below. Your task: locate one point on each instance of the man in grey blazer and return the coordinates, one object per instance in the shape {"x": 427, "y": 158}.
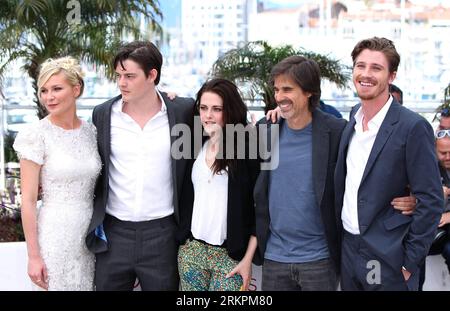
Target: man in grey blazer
{"x": 386, "y": 151}
{"x": 132, "y": 231}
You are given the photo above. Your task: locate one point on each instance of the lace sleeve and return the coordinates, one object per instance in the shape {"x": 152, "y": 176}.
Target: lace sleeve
{"x": 94, "y": 129}
{"x": 29, "y": 144}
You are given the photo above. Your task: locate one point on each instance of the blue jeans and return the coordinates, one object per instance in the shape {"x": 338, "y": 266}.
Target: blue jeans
{"x": 309, "y": 276}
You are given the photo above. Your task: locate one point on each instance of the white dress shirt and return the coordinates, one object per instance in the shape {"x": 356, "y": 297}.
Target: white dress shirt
{"x": 140, "y": 172}
{"x": 359, "y": 149}
{"x": 209, "y": 215}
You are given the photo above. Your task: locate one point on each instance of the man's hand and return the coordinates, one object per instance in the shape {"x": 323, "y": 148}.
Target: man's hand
{"x": 446, "y": 192}
{"x": 406, "y": 205}
{"x": 171, "y": 95}
{"x": 406, "y": 274}
{"x": 445, "y": 219}
{"x": 253, "y": 118}
{"x": 274, "y": 115}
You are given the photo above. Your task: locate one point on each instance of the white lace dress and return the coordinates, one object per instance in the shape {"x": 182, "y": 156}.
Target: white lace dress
{"x": 70, "y": 166}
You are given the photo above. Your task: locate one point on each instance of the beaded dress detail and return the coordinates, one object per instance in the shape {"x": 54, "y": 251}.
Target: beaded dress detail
{"x": 70, "y": 167}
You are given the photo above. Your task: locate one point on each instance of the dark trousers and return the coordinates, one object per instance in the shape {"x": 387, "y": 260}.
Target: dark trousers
{"x": 318, "y": 275}
{"x": 363, "y": 270}
{"x": 145, "y": 250}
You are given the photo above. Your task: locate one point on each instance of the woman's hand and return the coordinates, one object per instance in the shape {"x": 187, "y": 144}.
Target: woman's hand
{"x": 37, "y": 271}
{"x": 406, "y": 205}
{"x": 244, "y": 269}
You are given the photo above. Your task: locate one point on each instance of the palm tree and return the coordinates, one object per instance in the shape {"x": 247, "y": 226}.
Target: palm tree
{"x": 91, "y": 30}
{"x": 447, "y": 95}
{"x": 250, "y": 65}
{"x": 444, "y": 105}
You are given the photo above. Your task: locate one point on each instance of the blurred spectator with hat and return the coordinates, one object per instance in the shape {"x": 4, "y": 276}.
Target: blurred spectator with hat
{"x": 396, "y": 92}
{"x": 443, "y": 111}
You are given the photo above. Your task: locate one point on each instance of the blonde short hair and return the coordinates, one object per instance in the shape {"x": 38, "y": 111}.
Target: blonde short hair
{"x": 68, "y": 65}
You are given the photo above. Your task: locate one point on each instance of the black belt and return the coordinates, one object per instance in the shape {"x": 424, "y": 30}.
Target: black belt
{"x": 140, "y": 224}
{"x": 223, "y": 245}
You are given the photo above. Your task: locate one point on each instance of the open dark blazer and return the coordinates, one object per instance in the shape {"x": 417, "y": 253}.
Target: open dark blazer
{"x": 179, "y": 111}
{"x": 326, "y": 133}
{"x": 240, "y": 207}
{"x": 403, "y": 157}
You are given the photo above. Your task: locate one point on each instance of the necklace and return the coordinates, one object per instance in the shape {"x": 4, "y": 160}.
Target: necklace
{"x": 210, "y": 157}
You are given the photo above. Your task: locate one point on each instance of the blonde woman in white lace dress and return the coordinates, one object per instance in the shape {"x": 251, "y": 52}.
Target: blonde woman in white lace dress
{"x": 59, "y": 154}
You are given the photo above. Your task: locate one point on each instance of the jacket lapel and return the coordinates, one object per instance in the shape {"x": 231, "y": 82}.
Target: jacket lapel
{"x": 383, "y": 135}
{"x": 348, "y": 132}
{"x": 172, "y": 121}
{"x": 106, "y": 141}
{"x": 320, "y": 154}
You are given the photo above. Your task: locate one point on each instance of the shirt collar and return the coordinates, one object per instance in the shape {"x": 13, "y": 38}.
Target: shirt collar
{"x": 118, "y": 105}
{"x": 377, "y": 120}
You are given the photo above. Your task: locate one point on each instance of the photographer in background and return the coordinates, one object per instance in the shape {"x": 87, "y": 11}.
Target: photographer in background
{"x": 441, "y": 244}
{"x": 443, "y": 153}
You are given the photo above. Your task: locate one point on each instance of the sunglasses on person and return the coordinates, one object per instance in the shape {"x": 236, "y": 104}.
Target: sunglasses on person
{"x": 441, "y": 134}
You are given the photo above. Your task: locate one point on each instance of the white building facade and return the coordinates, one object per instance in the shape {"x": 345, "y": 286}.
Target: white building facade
{"x": 210, "y": 28}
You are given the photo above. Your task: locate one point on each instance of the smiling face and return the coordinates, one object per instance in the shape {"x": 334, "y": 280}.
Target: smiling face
{"x": 133, "y": 84}
{"x": 58, "y": 95}
{"x": 211, "y": 112}
{"x": 371, "y": 75}
{"x": 290, "y": 97}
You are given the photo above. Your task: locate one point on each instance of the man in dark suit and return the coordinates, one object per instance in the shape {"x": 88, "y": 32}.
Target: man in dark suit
{"x": 132, "y": 231}
{"x": 386, "y": 150}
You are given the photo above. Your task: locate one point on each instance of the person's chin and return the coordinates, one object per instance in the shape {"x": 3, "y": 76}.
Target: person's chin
{"x": 208, "y": 131}
{"x": 366, "y": 95}
{"x": 51, "y": 108}
{"x": 285, "y": 114}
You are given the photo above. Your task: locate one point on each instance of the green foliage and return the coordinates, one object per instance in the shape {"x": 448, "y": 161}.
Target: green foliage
{"x": 447, "y": 96}
{"x": 10, "y": 154}
{"x": 38, "y": 29}
{"x": 10, "y": 229}
{"x": 445, "y": 104}
{"x": 250, "y": 65}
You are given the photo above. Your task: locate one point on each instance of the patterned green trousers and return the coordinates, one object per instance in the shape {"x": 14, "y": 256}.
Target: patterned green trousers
{"x": 203, "y": 267}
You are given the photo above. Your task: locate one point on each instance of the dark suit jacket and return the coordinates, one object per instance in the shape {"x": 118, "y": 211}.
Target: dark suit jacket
{"x": 326, "y": 133}
{"x": 240, "y": 207}
{"x": 403, "y": 155}
{"x": 179, "y": 110}
{"x": 445, "y": 180}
